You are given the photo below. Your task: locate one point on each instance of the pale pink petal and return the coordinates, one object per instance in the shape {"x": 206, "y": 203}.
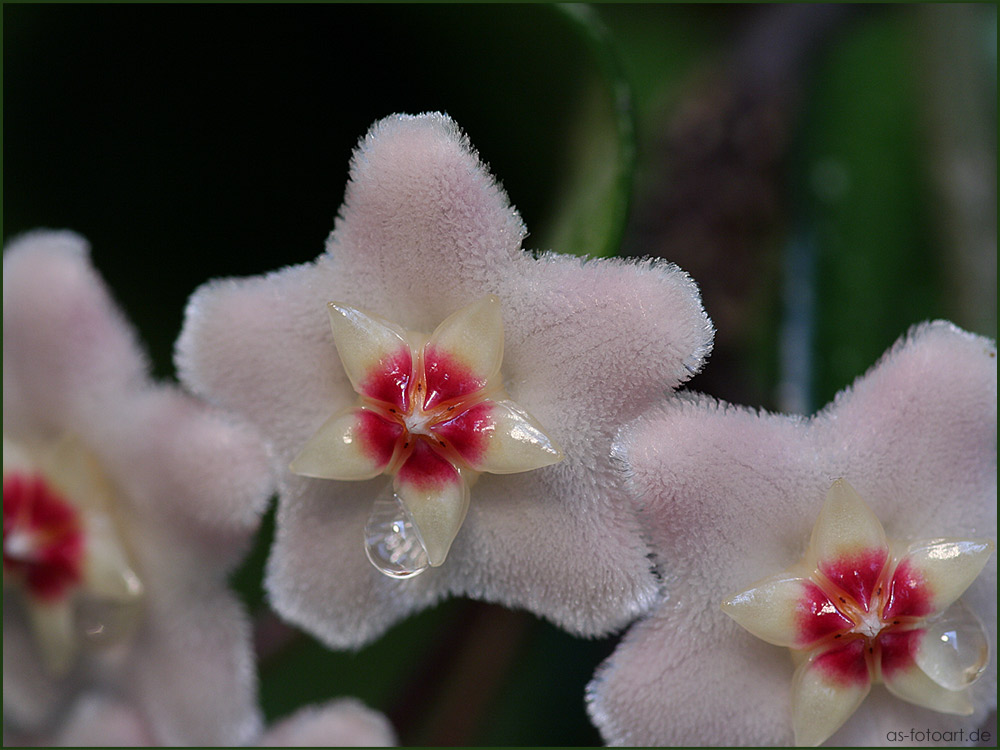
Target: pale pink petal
{"x": 464, "y": 352}
{"x": 827, "y": 688}
{"x": 318, "y": 575}
{"x": 786, "y": 610}
{"x": 933, "y": 574}
{"x": 560, "y": 541}
{"x": 341, "y": 723}
{"x": 421, "y": 218}
{"x": 437, "y": 497}
{"x": 102, "y": 721}
{"x": 99, "y": 720}
{"x": 904, "y": 678}
{"x": 374, "y": 354}
{"x": 32, "y": 697}
{"x": 190, "y": 666}
{"x": 664, "y": 686}
{"x": 426, "y": 231}
{"x": 499, "y": 437}
{"x": 192, "y": 672}
{"x": 848, "y": 544}
{"x": 190, "y": 466}
{"x": 729, "y": 497}
{"x": 57, "y": 310}
{"x": 571, "y": 325}
{"x": 280, "y": 371}
{"x": 321, "y": 529}
{"x": 920, "y": 427}
{"x": 352, "y": 444}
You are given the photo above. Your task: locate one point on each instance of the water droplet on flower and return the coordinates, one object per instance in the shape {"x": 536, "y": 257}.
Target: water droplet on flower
{"x": 105, "y": 622}
{"x": 955, "y": 649}
{"x": 392, "y": 541}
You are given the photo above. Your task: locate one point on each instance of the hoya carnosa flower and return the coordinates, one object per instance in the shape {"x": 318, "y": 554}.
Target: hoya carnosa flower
{"x": 433, "y": 414}
{"x": 458, "y": 419}
{"x": 856, "y": 611}
{"x": 126, "y": 503}
{"x": 732, "y": 497}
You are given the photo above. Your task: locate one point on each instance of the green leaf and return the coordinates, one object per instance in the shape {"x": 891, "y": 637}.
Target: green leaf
{"x": 594, "y": 190}
{"x": 878, "y": 271}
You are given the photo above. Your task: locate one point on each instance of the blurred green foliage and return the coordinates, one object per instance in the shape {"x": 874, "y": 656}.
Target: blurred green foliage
{"x": 190, "y": 142}
{"x": 878, "y": 269}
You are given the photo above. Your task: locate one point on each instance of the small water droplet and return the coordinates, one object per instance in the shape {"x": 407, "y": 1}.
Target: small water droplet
{"x": 104, "y": 622}
{"x": 392, "y": 541}
{"x": 955, "y": 648}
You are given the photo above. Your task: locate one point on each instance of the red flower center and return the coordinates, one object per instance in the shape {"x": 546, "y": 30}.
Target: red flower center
{"x": 432, "y": 408}
{"x": 864, "y": 615}
{"x": 43, "y": 538}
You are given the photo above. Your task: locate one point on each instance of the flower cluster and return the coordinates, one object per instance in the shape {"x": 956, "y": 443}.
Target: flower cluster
{"x": 442, "y": 413}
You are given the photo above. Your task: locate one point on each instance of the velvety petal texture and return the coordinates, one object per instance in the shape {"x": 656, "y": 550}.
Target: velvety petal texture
{"x": 730, "y": 497}
{"x": 182, "y": 486}
{"x": 340, "y": 723}
{"x": 107, "y": 721}
{"x": 424, "y": 232}
{"x": 103, "y": 721}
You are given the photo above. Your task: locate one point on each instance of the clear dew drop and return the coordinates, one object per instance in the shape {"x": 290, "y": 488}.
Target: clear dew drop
{"x": 392, "y": 541}
{"x": 955, "y": 649}
{"x": 103, "y": 622}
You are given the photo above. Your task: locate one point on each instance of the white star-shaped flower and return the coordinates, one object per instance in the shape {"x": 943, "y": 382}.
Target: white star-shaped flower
{"x": 858, "y": 610}
{"x": 428, "y": 247}
{"x": 433, "y": 414}
{"x": 729, "y": 496}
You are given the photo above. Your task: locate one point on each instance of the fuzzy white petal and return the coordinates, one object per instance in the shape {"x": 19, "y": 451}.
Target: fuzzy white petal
{"x": 341, "y": 723}
{"x": 56, "y": 311}
{"x": 193, "y": 672}
{"x": 101, "y": 721}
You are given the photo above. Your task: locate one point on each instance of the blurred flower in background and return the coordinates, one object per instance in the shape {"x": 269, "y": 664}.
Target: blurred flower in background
{"x": 126, "y": 504}
{"x": 102, "y": 721}
{"x": 826, "y": 174}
